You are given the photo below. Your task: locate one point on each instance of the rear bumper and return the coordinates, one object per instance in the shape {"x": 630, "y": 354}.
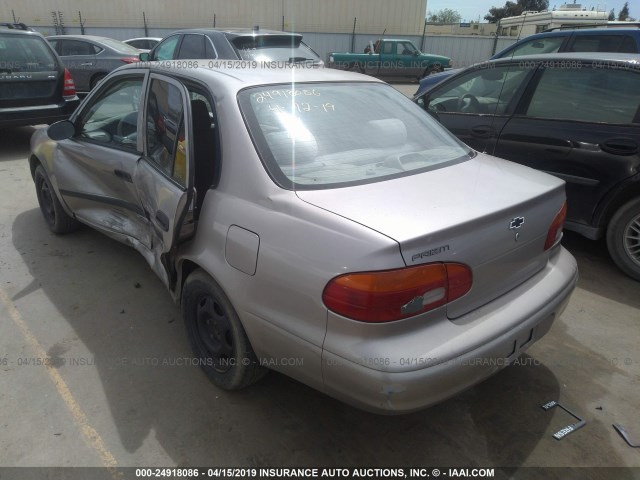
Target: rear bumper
{"x": 37, "y": 114}
{"x": 409, "y": 383}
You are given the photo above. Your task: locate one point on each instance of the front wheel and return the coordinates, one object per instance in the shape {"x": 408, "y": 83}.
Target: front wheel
{"x": 217, "y": 337}
{"x": 623, "y": 238}
{"x": 435, "y": 68}
{"x": 52, "y": 211}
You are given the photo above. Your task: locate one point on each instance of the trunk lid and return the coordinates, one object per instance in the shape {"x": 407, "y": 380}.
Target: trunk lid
{"x": 490, "y": 214}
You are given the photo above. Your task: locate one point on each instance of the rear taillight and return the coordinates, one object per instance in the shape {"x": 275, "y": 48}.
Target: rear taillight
{"x": 130, "y": 59}
{"x": 389, "y": 295}
{"x": 555, "y": 230}
{"x": 69, "y": 88}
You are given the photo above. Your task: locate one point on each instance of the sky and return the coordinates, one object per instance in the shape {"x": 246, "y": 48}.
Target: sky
{"x": 470, "y": 9}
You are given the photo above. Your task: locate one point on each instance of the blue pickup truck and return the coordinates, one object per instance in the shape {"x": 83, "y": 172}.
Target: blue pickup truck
{"x": 391, "y": 57}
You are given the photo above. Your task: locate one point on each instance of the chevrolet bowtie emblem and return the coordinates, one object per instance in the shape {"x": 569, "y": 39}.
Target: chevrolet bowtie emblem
{"x": 516, "y": 223}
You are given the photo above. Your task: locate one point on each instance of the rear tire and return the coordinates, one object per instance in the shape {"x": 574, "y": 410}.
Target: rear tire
{"x": 216, "y": 334}
{"x": 97, "y": 78}
{"x": 57, "y": 219}
{"x": 623, "y": 238}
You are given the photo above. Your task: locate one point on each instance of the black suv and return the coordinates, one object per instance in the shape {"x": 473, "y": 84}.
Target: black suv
{"x": 573, "y": 115}
{"x": 34, "y": 85}
{"x": 234, "y": 44}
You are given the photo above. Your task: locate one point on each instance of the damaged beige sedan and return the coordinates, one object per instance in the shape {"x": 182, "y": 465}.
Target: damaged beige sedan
{"x": 315, "y": 222}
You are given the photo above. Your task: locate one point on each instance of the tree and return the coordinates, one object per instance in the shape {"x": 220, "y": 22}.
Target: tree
{"x": 446, "y": 15}
{"x": 612, "y": 15}
{"x": 624, "y": 12}
{"x": 511, "y": 9}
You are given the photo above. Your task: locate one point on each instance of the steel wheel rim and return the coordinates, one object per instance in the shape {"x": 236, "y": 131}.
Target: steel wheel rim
{"x": 46, "y": 202}
{"x": 214, "y": 332}
{"x": 631, "y": 239}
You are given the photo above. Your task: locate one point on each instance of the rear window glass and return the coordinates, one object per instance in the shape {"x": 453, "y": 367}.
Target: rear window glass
{"x": 265, "y": 48}
{"x": 313, "y": 136}
{"x": 119, "y": 46}
{"x": 25, "y": 53}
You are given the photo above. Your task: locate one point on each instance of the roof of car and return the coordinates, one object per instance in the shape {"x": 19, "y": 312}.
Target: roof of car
{"x": 629, "y": 58}
{"x": 15, "y": 31}
{"x": 240, "y": 32}
{"x": 230, "y": 75}
{"x": 92, "y": 38}
{"x": 142, "y": 38}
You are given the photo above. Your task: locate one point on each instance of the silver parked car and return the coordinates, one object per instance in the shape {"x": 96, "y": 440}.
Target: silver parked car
{"x": 143, "y": 43}
{"x": 90, "y": 58}
{"x": 315, "y": 222}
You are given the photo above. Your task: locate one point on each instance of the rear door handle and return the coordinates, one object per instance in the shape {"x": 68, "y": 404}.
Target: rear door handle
{"x": 483, "y": 131}
{"x": 620, "y": 146}
{"x": 87, "y": 64}
{"x": 123, "y": 175}
{"x": 162, "y": 220}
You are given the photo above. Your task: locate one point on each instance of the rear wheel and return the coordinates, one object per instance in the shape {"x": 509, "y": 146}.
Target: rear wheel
{"x": 623, "y": 238}
{"x": 52, "y": 211}
{"x": 216, "y": 335}
{"x": 97, "y": 78}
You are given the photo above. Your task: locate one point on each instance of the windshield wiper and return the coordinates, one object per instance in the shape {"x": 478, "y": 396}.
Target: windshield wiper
{"x": 299, "y": 59}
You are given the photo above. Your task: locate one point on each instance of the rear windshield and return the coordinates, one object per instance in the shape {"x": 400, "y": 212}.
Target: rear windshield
{"x": 327, "y": 135}
{"x": 120, "y": 46}
{"x": 25, "y": 53}
{"x": 265, "y": 48}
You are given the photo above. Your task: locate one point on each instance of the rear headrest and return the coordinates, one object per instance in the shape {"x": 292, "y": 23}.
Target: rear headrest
{"x": 287, "y": 150}
{"x": 386, "y": 133}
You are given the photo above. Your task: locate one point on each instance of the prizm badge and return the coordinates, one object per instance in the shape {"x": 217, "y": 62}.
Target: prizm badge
{"x": 516, "y": 223}
{"x": 429, "y": 253}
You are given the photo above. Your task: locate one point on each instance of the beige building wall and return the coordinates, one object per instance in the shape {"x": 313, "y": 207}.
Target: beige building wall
{"x": 332, "y": 16}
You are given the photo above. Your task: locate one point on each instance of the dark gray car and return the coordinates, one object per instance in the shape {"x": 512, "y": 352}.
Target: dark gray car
{"x": 90, "y": 58}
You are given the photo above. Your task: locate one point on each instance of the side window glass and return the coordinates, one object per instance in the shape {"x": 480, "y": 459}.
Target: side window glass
{"x": 388, "y": 47}
{"x": 96, "y": 49}
{"x": 488, "y": 91}
{"x": 405, "y": 48}
{"x": 601, "y": 43}
{"x": 586, "y": 95}
{"x": 192, "y": 46}
{"x": 166, "y": 146}
{"x": 112, "y": 119}
{"x": 165, "y": 49}
{"x": 73, "y": 47}
{"x": 537, "y": 46}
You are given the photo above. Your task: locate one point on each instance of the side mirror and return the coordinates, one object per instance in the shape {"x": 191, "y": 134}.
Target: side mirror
{"x": 61, "y": 130}
{"x": 416, "y": 53}
{"x": 144, "y": 57}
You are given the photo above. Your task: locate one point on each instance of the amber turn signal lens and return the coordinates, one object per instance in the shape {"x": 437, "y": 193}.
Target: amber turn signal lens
{"x": 389, "y": 295}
